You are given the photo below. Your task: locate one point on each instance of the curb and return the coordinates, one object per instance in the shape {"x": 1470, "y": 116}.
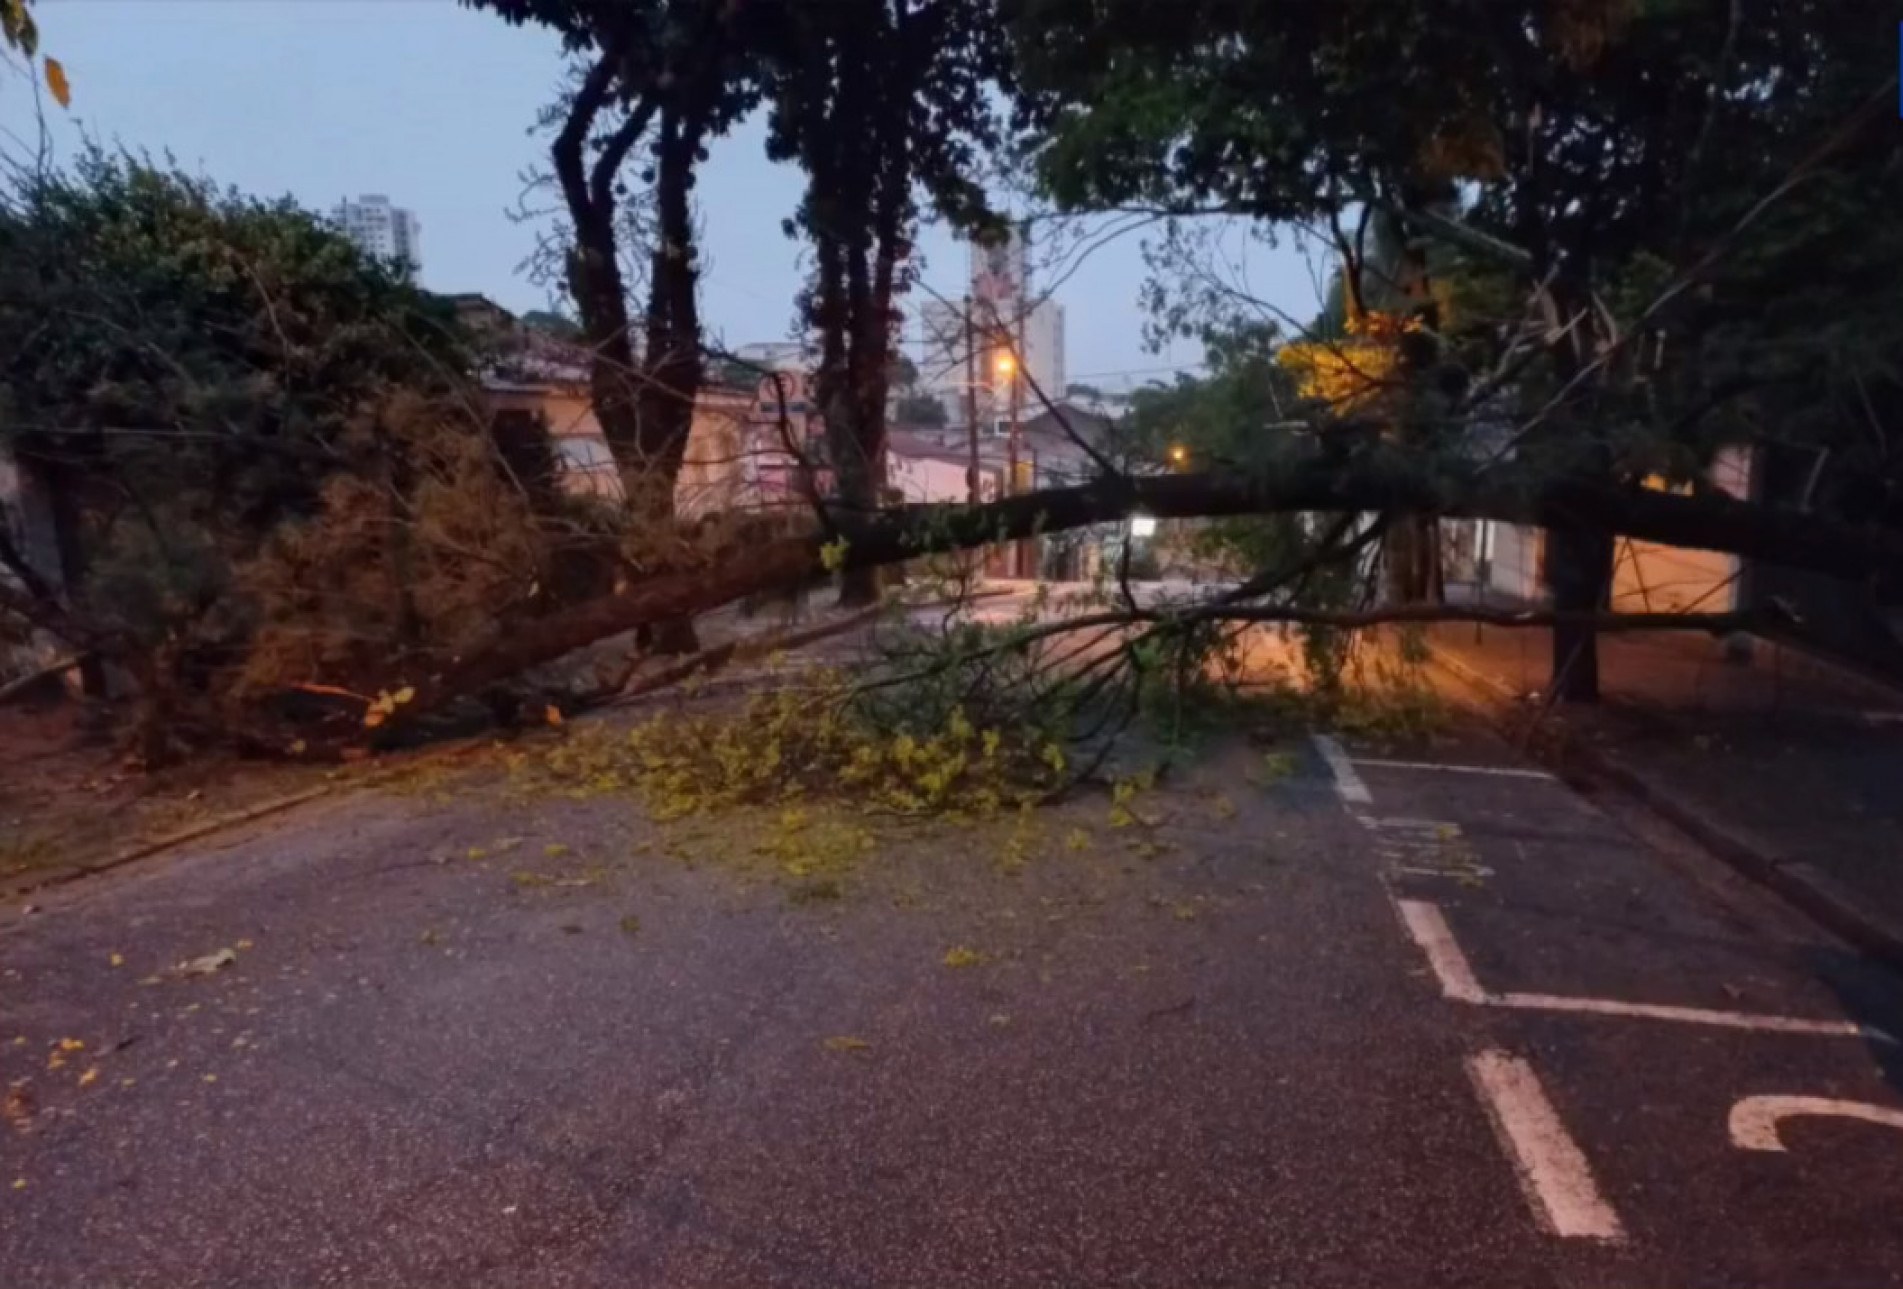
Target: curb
{"x": 26, "y": 884}
{"x": 1802, "y": 885}
{"x": 1876, "y": 685}
{"x": 65, "y": 873}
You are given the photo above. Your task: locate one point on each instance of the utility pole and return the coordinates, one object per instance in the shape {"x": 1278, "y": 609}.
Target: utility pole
{"x": 971, "y": 402}
{"x": 1015, "y": 348}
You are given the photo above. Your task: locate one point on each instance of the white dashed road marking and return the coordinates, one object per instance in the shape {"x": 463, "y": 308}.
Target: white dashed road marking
{"x": 1430, "y": 931}
{"x": 1428, "y": 928}
{"x": 1348, "y": 784}
{"x": 1692, "y": 1016}
{"x": 1501, "y": 771}
{"x": 1552, "y": 1169}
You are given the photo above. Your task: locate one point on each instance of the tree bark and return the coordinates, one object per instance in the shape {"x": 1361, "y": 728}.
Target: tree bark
{"x": 594, "y": 269}
{"x": 67, "y": 516}
{"x": 1579, "y": 571}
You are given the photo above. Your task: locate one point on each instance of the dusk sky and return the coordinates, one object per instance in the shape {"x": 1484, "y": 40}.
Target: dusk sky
{"x": 432, "y": 105}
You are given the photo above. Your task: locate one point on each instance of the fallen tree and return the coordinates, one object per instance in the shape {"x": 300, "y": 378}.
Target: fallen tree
{"x": 1378, "y": 480}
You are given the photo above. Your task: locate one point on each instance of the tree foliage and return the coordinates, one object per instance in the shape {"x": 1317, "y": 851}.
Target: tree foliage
{"x": 1615, "y": 220}
{"x": 262, "y": 457}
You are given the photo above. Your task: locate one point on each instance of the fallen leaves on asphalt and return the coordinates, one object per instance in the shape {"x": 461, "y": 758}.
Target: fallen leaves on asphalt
{"x": 210, "y": 964}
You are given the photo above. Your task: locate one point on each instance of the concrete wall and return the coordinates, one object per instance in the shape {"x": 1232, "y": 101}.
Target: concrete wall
{"x": 1513, "y": 553}
{"x": 713, "y": 475}
{"x": 1650, "y": 578}
{"x": 1647, "y": 577}
{"x": 926, "y": 479}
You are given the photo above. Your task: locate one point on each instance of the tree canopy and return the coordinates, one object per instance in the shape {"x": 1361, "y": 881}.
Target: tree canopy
{"x": 1631, "y": 208}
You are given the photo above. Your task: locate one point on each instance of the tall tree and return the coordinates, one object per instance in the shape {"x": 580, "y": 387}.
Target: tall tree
{"x": 875, "y": 100}
{"x": 657, "y": 79}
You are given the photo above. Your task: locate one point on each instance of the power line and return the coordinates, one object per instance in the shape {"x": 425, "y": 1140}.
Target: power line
{"x": 1139, "y": 371}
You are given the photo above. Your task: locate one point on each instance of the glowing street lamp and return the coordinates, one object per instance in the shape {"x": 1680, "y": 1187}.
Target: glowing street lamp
{"x": 1179, "y": 455}
{"x": 1005, "y": 364}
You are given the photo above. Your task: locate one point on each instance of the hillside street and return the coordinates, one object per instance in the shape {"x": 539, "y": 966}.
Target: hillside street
{"x": 1435, "y": 1022}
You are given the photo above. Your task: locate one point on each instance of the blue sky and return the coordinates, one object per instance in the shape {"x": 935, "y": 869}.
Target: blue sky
{"x": 433, "y": 104}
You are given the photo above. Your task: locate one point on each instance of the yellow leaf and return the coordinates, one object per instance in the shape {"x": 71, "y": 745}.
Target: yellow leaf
{"x": 245, "y": 944}
{"x": 553, "y": 714}
{"x": 89, "y": 1078}
{"x": 72, "y": 1045}
{"x": 117, "y": 960}
{"x": 960, "y": 956}
{"x": 846, "y": 1043}
{"x": 404, "y": 694}
{"x": 19, "y": 1183}
{"x": 372, "y": 718}
{"x": 211, "y": 1078}
{"x": 56, "y": 82}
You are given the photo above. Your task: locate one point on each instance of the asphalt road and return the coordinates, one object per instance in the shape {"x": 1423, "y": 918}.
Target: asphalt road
{"x": 1365, "y": 1024}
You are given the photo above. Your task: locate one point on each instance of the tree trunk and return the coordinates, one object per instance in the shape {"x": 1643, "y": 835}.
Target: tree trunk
{"x": 67, "y": 516}
{"x": 858, "y": 587}
{"x": 1851, "y": 551}
{"x": 1411, "y": 560}
{"x": 1579, "y": 571}
{"x": 670, "y": 388}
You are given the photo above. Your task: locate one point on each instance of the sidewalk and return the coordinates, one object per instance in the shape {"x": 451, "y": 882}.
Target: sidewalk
{"x": 1785, "y": 766}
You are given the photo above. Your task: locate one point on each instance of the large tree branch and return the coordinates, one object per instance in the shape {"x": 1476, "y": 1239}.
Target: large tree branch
{"x": 570, "y": 169}
{"x": 1376, "y": 481}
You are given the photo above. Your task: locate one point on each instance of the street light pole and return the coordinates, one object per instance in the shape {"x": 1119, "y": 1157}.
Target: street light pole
{"x": 1024, "y": 547}
{"x": 1007, "y": 371}
{"x": 971, "y": 403}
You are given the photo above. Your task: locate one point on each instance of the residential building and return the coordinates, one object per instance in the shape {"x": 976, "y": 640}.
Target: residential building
{"x": 386, "y": 231}
{"x": 972, "y": 340}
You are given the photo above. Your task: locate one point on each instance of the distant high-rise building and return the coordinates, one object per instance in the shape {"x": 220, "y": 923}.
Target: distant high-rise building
{"x": 963, "y": 343}
{"x": 385, "y": 231}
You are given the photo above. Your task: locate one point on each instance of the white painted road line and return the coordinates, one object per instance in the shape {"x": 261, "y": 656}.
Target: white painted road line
{"x": 1348, "y": 784}
{"x": 1429, "y": 930}
{"x": 1691, "y": 1016}
{"x": 1552, "y": 1169}
{"x": 1754, "y": 1120}
{"x": 1502, "y": 771}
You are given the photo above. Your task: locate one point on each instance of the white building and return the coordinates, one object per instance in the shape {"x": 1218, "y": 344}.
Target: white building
{"x": 385, "y": 231}
{"x": 970, "y": 340}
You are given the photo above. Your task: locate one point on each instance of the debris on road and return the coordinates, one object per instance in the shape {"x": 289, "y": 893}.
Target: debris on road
{"x": 210, "y": 964}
